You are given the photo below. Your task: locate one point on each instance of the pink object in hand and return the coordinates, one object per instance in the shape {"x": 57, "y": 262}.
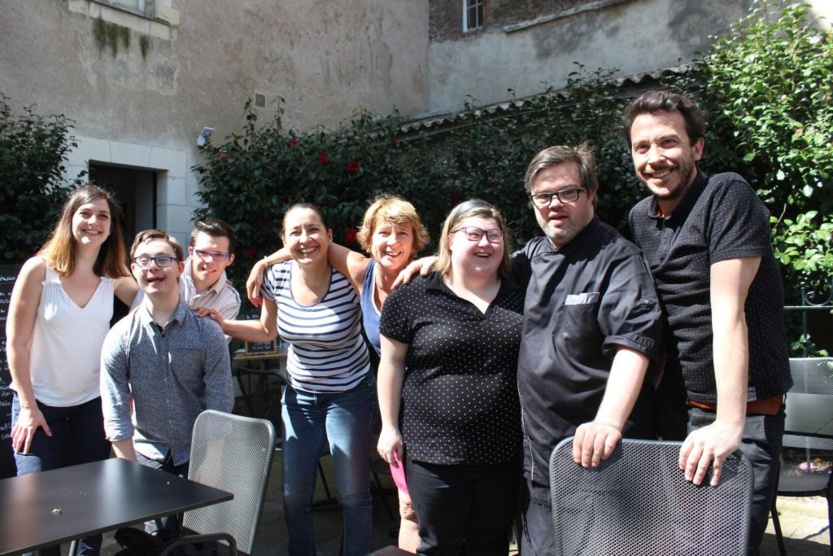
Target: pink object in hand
{"x": 397, "y": 471}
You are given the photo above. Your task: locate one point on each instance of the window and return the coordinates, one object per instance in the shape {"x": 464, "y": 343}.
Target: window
{"x": 472, "y": 15}
{"x": 135, "y": 6}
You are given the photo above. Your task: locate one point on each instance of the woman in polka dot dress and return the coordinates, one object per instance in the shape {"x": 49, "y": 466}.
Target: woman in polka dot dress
{"x": 447, "y": 387}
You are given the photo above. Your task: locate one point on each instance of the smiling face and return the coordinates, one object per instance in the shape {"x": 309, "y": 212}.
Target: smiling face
{"x": 392, "y": 245}
{"x": 470, "y": 257}
{"x": 559, "y": 221}
{"x": 91, "y": 223}
{"x": 305, "y": 235}
{"x": 663, "y": 157}
{"x": 206, "y": 268}
{"x": 157, "y": 283}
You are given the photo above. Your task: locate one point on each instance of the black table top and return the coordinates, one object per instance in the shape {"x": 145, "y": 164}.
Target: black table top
{"x": 43, "y": 509}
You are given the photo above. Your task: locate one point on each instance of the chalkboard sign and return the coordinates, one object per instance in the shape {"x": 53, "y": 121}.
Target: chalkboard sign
{"x": 260, "y": 347}
{"x": 8, "y": 275}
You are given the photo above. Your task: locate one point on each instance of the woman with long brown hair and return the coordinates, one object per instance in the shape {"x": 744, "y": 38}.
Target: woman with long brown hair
{"x": 59, "y": 313}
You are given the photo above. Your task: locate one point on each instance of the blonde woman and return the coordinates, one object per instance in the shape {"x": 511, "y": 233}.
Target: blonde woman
{"x": 447, "y": 387}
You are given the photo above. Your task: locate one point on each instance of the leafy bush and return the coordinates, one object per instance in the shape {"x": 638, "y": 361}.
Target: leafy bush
{"x": 33, "y": 149}
{"x": 768, "y": 89}
{"x": 253, "y": 177}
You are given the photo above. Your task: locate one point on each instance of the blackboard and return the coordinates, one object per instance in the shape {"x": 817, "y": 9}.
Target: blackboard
{"x": 8, "y": 275}
{"x": 260, "y": 347}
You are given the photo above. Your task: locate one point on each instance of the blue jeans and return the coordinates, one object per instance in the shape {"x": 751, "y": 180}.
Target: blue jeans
{"x": 309, "y": 420}
{"x": 77, "y": 437}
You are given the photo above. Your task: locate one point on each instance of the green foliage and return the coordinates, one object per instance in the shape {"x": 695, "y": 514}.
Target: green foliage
{"x": 33, "y": 149}
{"x": 768, "y": 89}
{"x": 254, "y": 176}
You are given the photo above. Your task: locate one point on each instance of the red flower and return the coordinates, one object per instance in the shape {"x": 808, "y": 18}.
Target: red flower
{"x": 322, "y": 158}
{"x": 250, "y": 251}
{"x": 353, "y": 167}
{"x": 293, "y": 142}
{"x": 350, "y": 236}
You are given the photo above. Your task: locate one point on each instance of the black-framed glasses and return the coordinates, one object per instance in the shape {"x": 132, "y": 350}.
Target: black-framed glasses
{"x": 207, "y": 256}
{"x": 474, "y": 233}
{"x": 571, "y": 195}
{"x": 162, "y": 261}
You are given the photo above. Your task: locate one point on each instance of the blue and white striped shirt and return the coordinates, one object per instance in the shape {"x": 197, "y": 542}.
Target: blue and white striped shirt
{"x": 327, "y": 353}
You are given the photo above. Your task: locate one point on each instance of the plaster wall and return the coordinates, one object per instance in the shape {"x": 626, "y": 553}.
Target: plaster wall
{"x": 193, "y": 64}
{"x": 631, "y": 36}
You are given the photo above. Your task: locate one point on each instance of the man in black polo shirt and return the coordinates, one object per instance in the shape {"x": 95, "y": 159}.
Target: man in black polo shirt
{"x": 707, "y": 243}
{"x": 591, "y": 325}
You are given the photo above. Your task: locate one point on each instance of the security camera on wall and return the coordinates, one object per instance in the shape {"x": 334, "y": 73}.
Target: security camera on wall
{"x": 203, "y": 136}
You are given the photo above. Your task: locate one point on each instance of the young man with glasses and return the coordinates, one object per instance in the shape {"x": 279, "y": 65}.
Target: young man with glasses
{"x": 161, "y": 365}
{"x": 591, "y": 327}
{"x": 204, "y": 282}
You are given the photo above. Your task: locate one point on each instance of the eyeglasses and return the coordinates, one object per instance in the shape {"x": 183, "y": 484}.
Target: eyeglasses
{"x": 476, "y": 234}
{"x": 162, "y": 261}
{"x": 542, "y": 200}
{"x": 212, "y": 255}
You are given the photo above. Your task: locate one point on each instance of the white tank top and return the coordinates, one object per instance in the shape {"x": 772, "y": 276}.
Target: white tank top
{"x": 66, "y": 343}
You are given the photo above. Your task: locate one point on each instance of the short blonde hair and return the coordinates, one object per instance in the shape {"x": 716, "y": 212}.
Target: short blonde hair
{"x": 468, "y": 209}
{"x": 397, "y": 211}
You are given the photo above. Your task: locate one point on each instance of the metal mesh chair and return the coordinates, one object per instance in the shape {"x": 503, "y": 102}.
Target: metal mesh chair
{"x": 638, "y": 502}
{"x": 232, "y": 453}
{"x": 806, "y": 459}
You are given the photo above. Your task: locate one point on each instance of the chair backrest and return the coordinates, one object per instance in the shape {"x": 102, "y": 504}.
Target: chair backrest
{"x": 638, "y": 502}
{"x": 812, "y": 375}
{"x": 233, "y": 453}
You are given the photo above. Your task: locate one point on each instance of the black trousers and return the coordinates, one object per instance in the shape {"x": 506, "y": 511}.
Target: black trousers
{"x": 464, "y": 509}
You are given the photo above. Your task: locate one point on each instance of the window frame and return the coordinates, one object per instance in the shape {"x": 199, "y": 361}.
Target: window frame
{"x": 479, "y": 8}
{"x": 141, "y": 8}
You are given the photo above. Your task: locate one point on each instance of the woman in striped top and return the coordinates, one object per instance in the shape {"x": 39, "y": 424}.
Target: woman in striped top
{"x": 330, "y": 391}
{"x": 392, "y": 233}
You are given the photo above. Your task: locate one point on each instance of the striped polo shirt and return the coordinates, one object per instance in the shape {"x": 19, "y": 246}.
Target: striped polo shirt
{"x": 327, "y": 353}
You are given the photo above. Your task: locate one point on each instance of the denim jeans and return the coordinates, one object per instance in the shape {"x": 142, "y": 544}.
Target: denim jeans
{"x": 309, "y": 420}
{"x": 77, "y": 437}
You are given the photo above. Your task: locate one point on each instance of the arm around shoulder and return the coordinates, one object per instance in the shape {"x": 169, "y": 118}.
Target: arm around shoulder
{"x": 351, "y": 264}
